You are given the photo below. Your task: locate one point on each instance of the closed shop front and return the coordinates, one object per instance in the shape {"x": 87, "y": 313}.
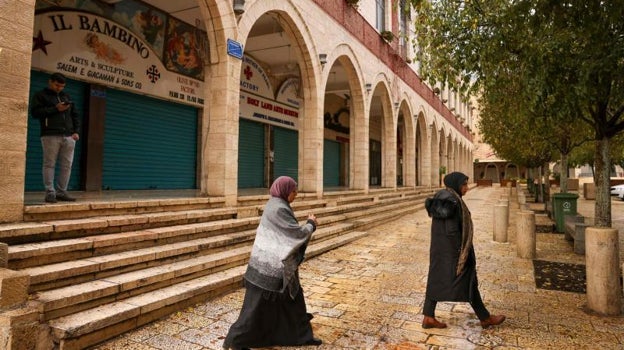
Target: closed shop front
{"x": 331, "y": 163}
{"x": 286, "y": 153}
{"x": 148, "y": 143}
{"x": 251, "y": 154}
{"x": 268, "y": 141}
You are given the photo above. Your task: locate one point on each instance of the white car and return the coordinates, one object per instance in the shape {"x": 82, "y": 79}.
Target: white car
{"x": 617, "y": 190}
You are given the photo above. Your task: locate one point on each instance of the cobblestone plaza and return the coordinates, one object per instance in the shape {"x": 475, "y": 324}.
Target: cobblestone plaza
{"x": 369, "y": 295}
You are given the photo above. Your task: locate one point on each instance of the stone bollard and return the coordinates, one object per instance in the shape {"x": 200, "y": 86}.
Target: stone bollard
{"x": 525, "y": 236}
{"x": 501, "y": 220}
{"x": 505, "y": 201}
{"x": 603, "y": 271}
{"x": 521, "y": 199}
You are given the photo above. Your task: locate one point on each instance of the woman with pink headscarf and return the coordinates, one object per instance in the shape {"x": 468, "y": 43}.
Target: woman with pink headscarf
{"x": 274, "y": 310}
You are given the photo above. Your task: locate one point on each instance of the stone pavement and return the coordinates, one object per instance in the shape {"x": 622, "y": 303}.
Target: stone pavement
{"x": 369, "y": 295}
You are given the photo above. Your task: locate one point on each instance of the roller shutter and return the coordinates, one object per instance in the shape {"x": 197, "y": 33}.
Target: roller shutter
{"x": 375, "y": 163}
{"x": 250, "y": 154}
{"x": 286, "y": 147}
{"x": 34, "y": 152}
{"x": 331, "y": 163}
{"x": 148, "y": 143}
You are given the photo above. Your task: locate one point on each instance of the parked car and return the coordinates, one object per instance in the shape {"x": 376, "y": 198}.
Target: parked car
{"x": 617, "y": 190}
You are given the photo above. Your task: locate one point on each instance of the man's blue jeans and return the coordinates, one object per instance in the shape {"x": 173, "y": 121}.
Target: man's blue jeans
{"x": 57, "y": 149}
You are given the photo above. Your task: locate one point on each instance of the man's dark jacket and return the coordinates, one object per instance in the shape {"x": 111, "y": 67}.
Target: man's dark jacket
{"x": 53, "y": 122}
{"x": 446, "y": 236}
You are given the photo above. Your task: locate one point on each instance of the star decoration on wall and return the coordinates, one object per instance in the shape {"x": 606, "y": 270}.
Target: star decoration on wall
{"x": 39, "y": 43}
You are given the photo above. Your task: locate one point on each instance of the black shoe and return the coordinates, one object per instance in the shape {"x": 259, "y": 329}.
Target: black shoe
{"x": 314, "y": 341}
{"x": 65, "y": 197}
{"x": 50, "y": 197}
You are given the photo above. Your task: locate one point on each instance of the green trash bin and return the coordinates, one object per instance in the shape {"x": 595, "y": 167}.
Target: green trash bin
{"x": 563, "y": 204}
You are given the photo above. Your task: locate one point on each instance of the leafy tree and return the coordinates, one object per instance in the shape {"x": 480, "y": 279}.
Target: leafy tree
{"x": 566, "y": 57}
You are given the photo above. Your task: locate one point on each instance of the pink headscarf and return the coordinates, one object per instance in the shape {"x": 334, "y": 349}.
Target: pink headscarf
{"x": 282, "y": 187}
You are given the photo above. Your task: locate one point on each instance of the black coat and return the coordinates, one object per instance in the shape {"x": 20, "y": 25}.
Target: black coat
{"x": 53, "y": 122}
{"x": 446, "y": 236}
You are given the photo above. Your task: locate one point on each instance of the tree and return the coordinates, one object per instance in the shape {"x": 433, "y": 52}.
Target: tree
{"x": 566, "y": 55}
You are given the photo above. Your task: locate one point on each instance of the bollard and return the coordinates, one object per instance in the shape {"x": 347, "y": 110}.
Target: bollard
{"x": 501, "y": 219}
{"x": 521, "y": 199}
{"x": 525, "y": 236}
{"x": 602, "y": 269}
{"x": 505, "y": 201}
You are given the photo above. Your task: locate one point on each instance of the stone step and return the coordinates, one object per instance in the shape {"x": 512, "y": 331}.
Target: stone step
{"x": 78, "y": 297}
{"x": 37, "y": 253}
{"x": 94, "y": 325}
{"x": 108, "y": 208}
{"x": 77, "y": 271}
{"x": 90, "y": 225}
{"x": 66, "y": 300}
{"x": 66, "y": 273}
{"x": 34, "y": 254}
{"x": 383, "y": 216}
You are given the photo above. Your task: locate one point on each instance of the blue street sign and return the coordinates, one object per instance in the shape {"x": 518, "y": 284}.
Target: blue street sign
{"x": 234, "y": 49}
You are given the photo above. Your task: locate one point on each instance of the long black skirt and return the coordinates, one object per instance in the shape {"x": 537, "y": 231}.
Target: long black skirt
{"x": 270, "y": 319}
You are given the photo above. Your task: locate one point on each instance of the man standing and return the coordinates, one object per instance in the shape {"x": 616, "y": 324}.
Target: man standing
{"x": 60, "y": 128}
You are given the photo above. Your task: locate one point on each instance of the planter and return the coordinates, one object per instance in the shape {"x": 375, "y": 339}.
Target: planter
{"x": 484, "y": 182}
{"x": 387, "y": 35}
{"x": 589, "y": 190}
{"x": 504, "y": 183}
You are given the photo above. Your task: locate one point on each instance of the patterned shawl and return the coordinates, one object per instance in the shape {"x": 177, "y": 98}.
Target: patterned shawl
{"x": 278, "y": 249}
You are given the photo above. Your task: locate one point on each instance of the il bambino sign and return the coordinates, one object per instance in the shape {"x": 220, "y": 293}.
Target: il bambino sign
{"x": 95, "y": 49}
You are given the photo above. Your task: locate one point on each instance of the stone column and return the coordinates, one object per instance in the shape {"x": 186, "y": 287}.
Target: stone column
{"x": 604, "y": 292}
{"x": 16, "y": 24}
{"x": 525, "y": 236}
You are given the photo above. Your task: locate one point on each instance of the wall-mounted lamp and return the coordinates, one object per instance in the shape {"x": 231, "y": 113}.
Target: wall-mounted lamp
{"x": 323, "y": 58}
{"x": 368, "y": 87}
{"x": 239, "y": 7}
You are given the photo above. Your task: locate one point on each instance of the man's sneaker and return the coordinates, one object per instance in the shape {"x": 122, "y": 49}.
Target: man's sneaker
{"x": 65, "y": 197}
{"x": 50, "y": 197}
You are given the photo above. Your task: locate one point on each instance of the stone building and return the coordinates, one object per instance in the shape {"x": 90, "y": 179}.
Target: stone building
{"x": 208, "y": 101}
{"x": 219, "y": 96}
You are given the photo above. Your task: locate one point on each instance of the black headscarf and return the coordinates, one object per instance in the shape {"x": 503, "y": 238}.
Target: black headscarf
{"x": 455, "y": 180}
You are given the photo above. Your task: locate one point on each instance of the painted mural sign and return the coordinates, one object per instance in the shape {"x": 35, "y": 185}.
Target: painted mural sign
{"x": 258, "y": 101}
{"x": 96, "y": 49}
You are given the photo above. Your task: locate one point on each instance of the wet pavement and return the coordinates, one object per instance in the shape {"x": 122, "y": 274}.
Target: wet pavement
{"x": 369, "y": 295}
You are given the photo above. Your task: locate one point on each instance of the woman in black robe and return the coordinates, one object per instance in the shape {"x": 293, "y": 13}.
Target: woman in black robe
{"x": 452, "y": 262}
{"x": 274, "y": 310}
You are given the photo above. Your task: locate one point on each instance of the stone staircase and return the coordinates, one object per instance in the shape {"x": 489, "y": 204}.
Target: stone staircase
{"x": 99, "y": 269}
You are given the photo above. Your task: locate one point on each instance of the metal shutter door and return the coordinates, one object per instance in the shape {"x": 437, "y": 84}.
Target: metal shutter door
{"x": 331, "y": 163}
{"x": 34, "y": 152}
{"x": 286, "y": 147}
{"x": 250, "y": 154}
{"x": 148, "y": 143}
